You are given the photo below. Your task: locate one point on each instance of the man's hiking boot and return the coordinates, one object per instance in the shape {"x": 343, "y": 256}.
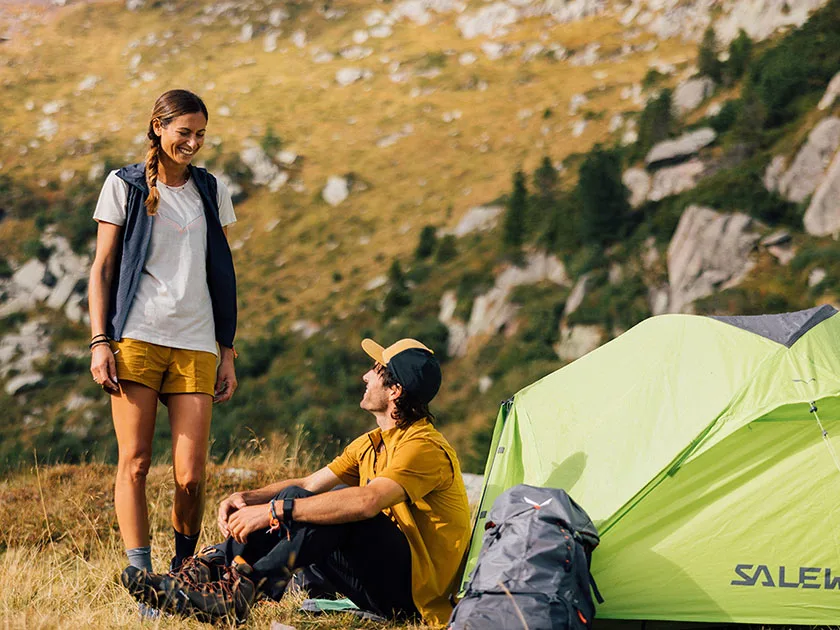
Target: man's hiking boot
{"x": 231, "y": 596}
{"x": 205, "y": 566}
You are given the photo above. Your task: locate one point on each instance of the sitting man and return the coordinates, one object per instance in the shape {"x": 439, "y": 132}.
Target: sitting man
{"x": 392, "y": 541}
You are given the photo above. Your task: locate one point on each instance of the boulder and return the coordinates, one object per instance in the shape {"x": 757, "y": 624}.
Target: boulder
{"x": 473, "y": 484}
{"x": 709, "y": 251}
{"x": 816, "y": 276}
{"x": 477, "y": 219}
{"x": 823, "y": 214}
{"x": 305, "y": 328}
{"x": 681, "y": 148}
{"x": 637, "y": 181}
{"x": 576, "y": 341}
{"x": 673, "y": 180}
{"x": 773, "y": 173}
{"x": 575, "y": 298}
{"x": 658, "y": 298}
{"x": 808, "y": 168}
{"x": 780, "y": 245}
{"x": 457, "y": 342}
{"x": 689, "y": 95}
{"x": 831, "y": 93}
{"x": 336, "y": 190}
{"x": 22, "y": 381}
{"x": 347, "y": 76}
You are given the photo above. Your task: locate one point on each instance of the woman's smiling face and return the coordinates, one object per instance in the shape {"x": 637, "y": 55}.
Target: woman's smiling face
{"x": 182, "y": 138}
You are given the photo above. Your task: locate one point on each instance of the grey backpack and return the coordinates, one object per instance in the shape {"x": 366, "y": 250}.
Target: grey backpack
{"x": 533, "y": 567}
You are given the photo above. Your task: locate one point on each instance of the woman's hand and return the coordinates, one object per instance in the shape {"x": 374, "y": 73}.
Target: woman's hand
{"x": 225, "y": 376}
{"x": 248, "y": 519}
{"x": 233, "y": 503}
{"x": 103, "y": 367}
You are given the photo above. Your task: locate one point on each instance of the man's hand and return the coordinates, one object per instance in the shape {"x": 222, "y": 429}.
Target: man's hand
{"x": 248, "y": 519}
{"x": 230, "y": 505}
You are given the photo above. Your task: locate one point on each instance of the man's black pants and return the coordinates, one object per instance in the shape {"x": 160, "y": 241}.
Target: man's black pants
{"x": 368, "y": 561}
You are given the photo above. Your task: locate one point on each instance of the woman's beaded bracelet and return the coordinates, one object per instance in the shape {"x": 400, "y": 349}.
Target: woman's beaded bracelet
{"x": 98, "y": 342}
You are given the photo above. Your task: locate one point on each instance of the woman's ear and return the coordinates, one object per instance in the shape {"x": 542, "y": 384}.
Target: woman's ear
{"x": 157, "y": 127}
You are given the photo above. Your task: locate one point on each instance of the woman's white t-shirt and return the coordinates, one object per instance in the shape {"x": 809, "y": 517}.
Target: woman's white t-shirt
{"x": 172, "y": 306}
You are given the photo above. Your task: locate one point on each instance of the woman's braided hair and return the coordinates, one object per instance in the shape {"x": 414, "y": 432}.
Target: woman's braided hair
{"x": 168, "y": 106}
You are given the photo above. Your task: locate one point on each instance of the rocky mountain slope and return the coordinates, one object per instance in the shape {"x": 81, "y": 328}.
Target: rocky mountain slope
{"x": 372, "y": 146}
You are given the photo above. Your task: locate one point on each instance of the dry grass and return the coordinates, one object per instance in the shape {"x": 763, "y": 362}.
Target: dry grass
{"x": 61, "y": 554}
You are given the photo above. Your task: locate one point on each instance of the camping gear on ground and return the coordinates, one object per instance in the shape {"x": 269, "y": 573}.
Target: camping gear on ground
{"x": 694, "y": 443}
{"x": 533, "y": 568}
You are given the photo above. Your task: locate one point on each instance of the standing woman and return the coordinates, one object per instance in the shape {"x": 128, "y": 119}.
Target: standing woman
{"x": 162, "y": 295}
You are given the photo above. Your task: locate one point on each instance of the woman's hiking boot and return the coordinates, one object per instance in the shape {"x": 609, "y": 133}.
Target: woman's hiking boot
{"x": 156, "y": 591}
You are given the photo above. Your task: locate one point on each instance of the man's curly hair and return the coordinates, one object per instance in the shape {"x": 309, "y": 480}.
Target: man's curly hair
{"x": 409, "y": 410}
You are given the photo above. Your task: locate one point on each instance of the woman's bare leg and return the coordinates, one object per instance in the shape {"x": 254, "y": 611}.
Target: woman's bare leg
{"x": 133, "y": 409}
{"x": 189, "y": 418}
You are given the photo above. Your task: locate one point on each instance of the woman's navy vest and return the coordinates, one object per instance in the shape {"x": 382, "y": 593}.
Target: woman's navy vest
{"x": 137, "y": 232}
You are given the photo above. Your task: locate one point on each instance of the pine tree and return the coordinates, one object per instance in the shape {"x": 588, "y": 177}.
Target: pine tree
{"x": 740, "y": 52}
{"x": 655, "y": 123}
{"x": 545, "y": 196}
{"x": 749, "y": 124}
{"x": 427, "y": 243}
{"x": 603, "y": 197}
{"x": 514, "y": 224}
{"x": 398, "y": 296}
{"x": 707, "y": 57}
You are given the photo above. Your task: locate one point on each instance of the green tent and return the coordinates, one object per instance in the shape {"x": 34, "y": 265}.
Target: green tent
{"x": 691, "y": 443}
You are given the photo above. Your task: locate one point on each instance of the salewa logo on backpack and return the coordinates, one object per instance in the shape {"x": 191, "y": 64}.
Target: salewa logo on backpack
{"x": 785, "y": 577}
{"x": 536, "y": 505}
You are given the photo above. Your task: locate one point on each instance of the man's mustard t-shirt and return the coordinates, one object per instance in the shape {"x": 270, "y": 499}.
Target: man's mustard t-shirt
{"x": 436, "y": 518}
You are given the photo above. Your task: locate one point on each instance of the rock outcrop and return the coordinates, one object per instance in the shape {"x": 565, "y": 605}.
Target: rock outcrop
{"x": 476, "y": 219}
{"x": 673, "y": 180}
{"x": 690, "y": 95}
{"x": 709, "y": 251}
{"x": 680, "y": 148}
{"x": 831, "y": 93}
{"x": 576, "y": 341}
{"x": 761, "y": 18}
{"x": 823, "y": 214}
{"x": 58, "y": 283}
{"x": 492, "y": 311}
{"x": 637, "y": 181}
{"x": 809, "y": 166}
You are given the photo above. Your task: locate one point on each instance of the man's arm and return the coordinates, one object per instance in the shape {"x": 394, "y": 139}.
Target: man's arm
{"x": 319, "y": 481}
{"x": 329, "y": 508}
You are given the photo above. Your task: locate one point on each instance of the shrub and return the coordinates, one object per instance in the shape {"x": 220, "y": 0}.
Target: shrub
{"x": 271, "y": 143}
{"x": 447, "y": 249}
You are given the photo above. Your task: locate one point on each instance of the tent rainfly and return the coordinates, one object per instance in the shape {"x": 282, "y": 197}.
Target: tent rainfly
{"x": 704, "y": 448}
